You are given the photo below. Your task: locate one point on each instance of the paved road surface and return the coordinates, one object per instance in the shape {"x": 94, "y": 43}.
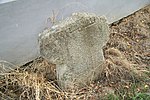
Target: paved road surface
{"x": 22, "y": 20}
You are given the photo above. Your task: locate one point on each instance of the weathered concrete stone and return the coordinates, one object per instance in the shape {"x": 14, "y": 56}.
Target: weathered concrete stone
{"x": 75, "y": 46}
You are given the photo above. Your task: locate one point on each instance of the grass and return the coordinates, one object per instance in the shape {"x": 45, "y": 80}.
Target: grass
{"x": 139, "y": 96}
{"x": 138, "y": 91}
{"x": 31, "y": 83}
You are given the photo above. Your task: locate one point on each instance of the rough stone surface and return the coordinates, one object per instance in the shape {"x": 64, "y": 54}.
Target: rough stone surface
{"x": 75, "y": 46}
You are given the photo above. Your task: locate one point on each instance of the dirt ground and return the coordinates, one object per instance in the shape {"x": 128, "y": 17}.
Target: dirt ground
{"x": 131, "y": 36}
{"x": 129, "y": 43}
{"x": 127, "y": 62}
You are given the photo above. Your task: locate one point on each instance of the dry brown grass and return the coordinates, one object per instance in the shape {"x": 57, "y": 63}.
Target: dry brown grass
{"x": 119, "y": 68}
{"x": 30, "y": 82}
{"x": 28, "y": 86}
{"x": 31, "y": 86}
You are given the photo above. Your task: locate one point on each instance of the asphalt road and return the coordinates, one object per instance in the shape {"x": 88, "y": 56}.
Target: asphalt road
{"x": 21, "y": 21}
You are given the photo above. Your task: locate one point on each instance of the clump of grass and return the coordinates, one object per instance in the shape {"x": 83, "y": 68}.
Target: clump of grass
{"x": 33, "y": 81}
{"x": 132, "y": 91}
{"x": 118, "y": 68}
{"x": 138, "y": 96}
{"x": 33, "y": 86}
{"x": 111, "y": 97}
{"x": 28, "y": 86}
{"x": 141, "y": 96}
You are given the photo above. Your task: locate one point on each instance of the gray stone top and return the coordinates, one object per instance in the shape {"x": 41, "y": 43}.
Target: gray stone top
{"x": 76, "y": 22}
{"x": 66, "y": 28}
